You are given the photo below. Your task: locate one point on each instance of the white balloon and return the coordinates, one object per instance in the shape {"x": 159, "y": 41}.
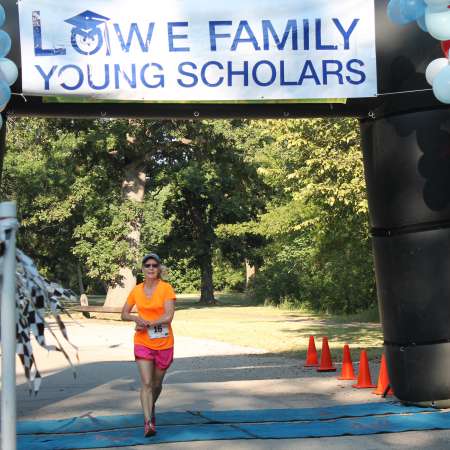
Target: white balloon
{"x": 434, "y": 68}
{"x": 437, "y": 5}
{"x": 2, "y": 107}
{"x": 438, "y": 24}
{"x": 441, "y": 85}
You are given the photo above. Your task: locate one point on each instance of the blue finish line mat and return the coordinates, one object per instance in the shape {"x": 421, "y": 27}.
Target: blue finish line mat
{"x": 116, "y": 431}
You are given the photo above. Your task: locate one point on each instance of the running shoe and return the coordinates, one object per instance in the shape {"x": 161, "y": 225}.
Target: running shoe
{"x": 149, "y": 428}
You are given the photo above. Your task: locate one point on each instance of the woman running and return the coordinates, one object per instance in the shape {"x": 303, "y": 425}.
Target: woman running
{"x": 153, "y": 340}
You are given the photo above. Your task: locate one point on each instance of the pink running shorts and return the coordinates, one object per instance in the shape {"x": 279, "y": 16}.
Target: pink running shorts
{"x": 163, "y": 358}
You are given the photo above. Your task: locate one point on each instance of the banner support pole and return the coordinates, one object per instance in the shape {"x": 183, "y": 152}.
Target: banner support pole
{"x": 8, "y": 213}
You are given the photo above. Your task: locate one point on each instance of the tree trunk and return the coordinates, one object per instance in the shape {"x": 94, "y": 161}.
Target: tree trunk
{"x": 84, "y": 301}
{"x": 133, "y": 189}
{"x": 250, "y": 272}
{"x": 207, "y": 286}
{"x": 80, "y": 280}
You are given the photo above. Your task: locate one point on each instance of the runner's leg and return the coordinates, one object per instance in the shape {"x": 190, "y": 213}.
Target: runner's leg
{"x": 146, "y": 373}
{"x": 158, "y": 376}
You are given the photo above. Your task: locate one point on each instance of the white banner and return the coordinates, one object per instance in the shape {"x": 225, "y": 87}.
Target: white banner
{"x": 198, "y": 50}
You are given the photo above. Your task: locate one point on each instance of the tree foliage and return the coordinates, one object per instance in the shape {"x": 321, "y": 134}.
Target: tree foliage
{"x": 319, "y": 251}
{"x": 286, "y": 196}
{"x": 67, "y": 179}
{"x": 214, "y": 185}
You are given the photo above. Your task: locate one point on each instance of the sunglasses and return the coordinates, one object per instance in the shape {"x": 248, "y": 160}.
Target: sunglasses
{"x": 153, "y": 265}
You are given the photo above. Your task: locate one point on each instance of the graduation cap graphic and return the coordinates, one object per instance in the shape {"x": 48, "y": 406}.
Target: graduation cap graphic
{"x": 87, "y": 37}
{"x": 87, "y": 20}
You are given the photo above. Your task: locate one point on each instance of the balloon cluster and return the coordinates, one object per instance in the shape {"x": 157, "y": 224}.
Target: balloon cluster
{"x": 432, "y": 16}
{"x": 8, "y": 69}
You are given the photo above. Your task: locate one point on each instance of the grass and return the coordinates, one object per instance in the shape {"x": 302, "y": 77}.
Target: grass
{"x": 236, "y": 319}
{"x": 239, "y": 321}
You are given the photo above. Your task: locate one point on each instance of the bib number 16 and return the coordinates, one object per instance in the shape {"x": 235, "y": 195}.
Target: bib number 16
{"x": 158, "y": 331}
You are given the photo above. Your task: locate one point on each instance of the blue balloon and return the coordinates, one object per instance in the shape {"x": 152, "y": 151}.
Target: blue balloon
{"x": 441, "y": 85}
{"x": 412, "y": 9}
{"x": 5, "y": 93}
{"x": 395, "y": 14}
{"x": 422, "y": 25}
{"x": 5, "y": 43}
{"x": 8, "y": 71}
{"x": 2, "y": 17}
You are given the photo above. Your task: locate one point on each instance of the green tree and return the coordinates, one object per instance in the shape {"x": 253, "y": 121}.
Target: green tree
{"x": 213, "y": 185}
{"x": 41, "y": 173}
{"x": 318, "y": 249}
{"x": 80, "y": 188}
{"x": 110, "y": 241}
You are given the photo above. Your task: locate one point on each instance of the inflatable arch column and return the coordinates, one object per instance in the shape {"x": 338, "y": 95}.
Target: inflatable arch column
{"x": 407, "y": 163}
{"x": 406, "y": 146}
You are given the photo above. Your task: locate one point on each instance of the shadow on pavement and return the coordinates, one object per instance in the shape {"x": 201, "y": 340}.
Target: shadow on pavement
{"x": 120, "y": 378}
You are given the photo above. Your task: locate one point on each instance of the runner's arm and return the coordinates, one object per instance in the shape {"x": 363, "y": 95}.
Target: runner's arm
{"x": 126, "y": 315}
{"x": 166, "y": 318}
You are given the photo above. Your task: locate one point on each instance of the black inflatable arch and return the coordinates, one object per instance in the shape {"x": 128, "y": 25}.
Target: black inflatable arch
{"x": 406, "y": 145}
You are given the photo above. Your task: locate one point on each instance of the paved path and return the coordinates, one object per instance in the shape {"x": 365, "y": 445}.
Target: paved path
{"x": 206, "y": 375}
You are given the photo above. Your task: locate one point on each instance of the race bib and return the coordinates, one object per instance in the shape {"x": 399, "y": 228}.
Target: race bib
{"x": 158, "y": 331}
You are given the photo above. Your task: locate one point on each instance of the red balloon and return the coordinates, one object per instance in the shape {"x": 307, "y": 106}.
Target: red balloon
{"x": 445, "y": 45}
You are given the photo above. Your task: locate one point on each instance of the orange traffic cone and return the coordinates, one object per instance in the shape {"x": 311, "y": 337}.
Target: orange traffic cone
{"x": 383, "y": 379}
{"x": 347, "y": 365}
{"x": 364, "y": 380}
{"x": 326, "y": 364}
{"x": 311, "y": 355}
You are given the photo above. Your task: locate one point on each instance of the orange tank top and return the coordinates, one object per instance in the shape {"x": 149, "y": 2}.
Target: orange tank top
{"x": 152, "y": 308}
